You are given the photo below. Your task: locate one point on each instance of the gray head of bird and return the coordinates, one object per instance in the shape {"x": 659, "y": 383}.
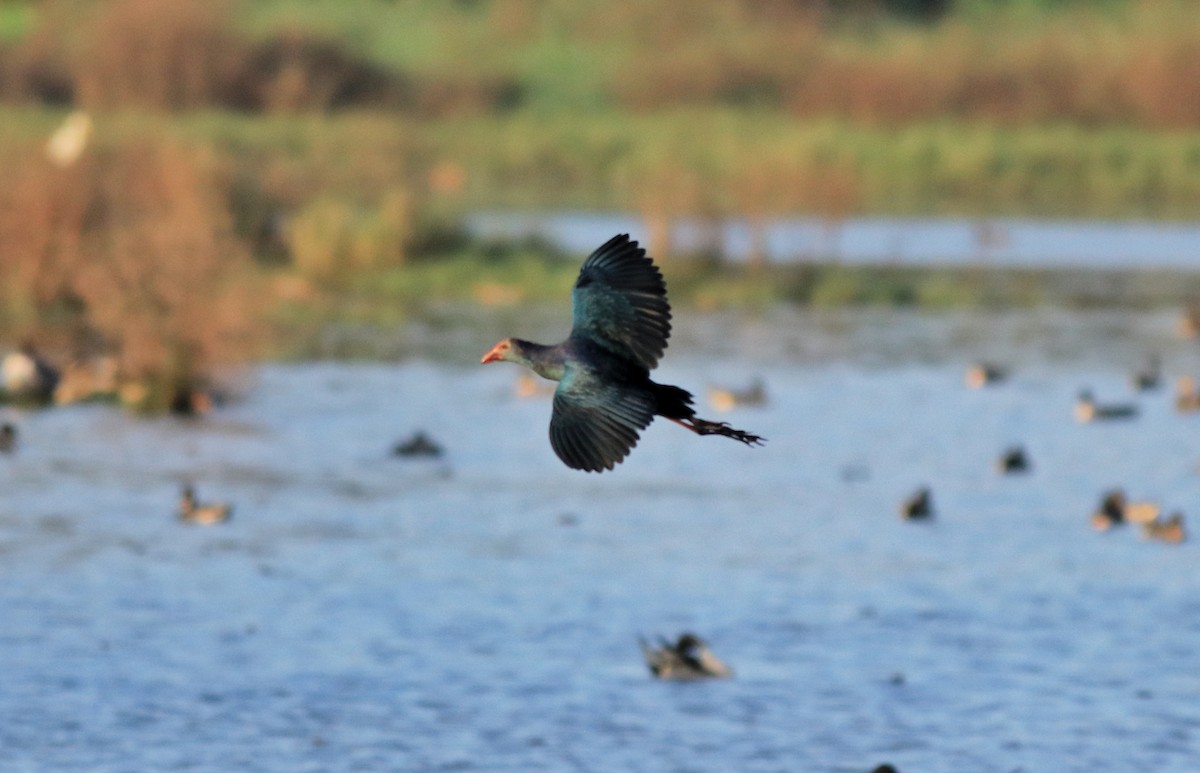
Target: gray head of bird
{"x": 508, "y": 350}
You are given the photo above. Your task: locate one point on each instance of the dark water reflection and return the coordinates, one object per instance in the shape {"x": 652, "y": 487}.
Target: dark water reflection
{"x": 362, "y": 612}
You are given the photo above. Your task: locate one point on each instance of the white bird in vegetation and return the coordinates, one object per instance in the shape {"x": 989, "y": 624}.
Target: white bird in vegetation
{"x": 68, "y": 141}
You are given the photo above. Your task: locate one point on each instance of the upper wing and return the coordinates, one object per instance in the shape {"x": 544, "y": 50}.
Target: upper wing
{"x": 595, "y": 423}
{"x": 620, "y": 302}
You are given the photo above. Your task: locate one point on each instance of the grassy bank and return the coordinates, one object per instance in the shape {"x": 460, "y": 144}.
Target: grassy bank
{"x": 737, "y": 162}
{"x": 688, "y": 162}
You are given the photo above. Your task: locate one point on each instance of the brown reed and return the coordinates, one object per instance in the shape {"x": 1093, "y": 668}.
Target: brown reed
{"x": 136, "y": 241}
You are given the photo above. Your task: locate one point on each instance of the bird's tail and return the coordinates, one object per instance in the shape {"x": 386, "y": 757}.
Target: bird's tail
{"x": 673, "y": 402}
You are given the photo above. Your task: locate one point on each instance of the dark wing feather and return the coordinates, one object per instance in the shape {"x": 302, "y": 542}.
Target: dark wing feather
{"x": 596, "y": 423}
{"x": 620, "y": 302}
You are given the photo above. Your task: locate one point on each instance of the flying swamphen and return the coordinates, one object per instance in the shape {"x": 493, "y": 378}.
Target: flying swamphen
{"x": 621, "y": 322}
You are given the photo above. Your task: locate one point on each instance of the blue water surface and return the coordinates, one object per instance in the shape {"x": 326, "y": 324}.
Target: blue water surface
{"x": 367, "y": 612}
{"x": 997, "y": 242}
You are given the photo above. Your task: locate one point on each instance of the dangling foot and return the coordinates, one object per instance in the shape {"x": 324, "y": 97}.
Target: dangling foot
{"x": 706, "y": 427}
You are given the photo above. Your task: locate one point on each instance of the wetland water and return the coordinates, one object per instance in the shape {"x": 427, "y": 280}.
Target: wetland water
{"x": 993, "y": 242}
{"x": 366, "y": 612}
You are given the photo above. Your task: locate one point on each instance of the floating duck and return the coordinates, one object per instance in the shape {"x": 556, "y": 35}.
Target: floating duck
{"x": 419, "y": 444}
{"x": 205, "y": 515}
{"x": 1187, "y": 396}
{"x": 1111, "y": 511}
{"x": 191, "y": 401}
{"x": 722, "y": 399}
{"x": 1115, "y": 509}
{"x": 605, "y": 397}
{"x": 983, "y": 374}
{"x": 8, "y": 438}
{"x": 687, "y": 659}
{"x": 1169, "y": 530}
{"x": 1013, "y": 460}
{"x": 917, "y": 507}
{"x": 1086, "y": 409}
{"x": 27, "y": 376}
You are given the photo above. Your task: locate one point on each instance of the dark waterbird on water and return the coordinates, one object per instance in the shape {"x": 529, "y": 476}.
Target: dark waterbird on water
{"x": 1013, "y": 460}
{"x": 419, "y": 444}
{"x": 687, "y": 659}
{"x": 621, "y": 322}
{"x": 8, "y": 438}
{"x": 191, "y": 511}
{"x": 919, "y": 506}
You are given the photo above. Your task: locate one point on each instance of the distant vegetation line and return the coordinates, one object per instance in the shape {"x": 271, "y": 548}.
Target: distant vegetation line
{"x": 1013, "y": 63}
{"x": 685, "y": 163}
{"x": 755, "y": 164}
{"x": 751, "y": 108}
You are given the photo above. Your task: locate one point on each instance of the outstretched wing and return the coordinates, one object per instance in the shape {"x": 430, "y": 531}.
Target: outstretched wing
{"x": 620, "y": 302}
{"x": 595, "y": 423}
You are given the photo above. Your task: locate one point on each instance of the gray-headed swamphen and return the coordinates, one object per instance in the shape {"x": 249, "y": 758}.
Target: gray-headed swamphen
{"x": 621, "y": 322}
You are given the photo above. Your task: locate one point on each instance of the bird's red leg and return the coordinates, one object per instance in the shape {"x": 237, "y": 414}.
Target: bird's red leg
{"x": 706, "y": 427}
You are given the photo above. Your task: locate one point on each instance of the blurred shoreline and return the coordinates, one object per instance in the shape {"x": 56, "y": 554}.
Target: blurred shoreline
{"x": 1121, "y": 339}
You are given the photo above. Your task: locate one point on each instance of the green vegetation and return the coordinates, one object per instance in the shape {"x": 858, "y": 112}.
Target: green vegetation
{"x": 15, "y": 20}
{"x": 1036, "y": 107}
{"x": 722, "y": 162}
{"x": 710, "y": 156}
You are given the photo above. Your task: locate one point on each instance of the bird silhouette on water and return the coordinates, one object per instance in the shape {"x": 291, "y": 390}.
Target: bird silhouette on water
{"x": 191, "y": 511}
{"x": 1088, "y": 410}
{"x": 687, "y": 659}
{"x": 1013, "y": 460}
{"x": 1115, "y": 510}
{"x": 1165, "y": 529}
{"x": 1110, "y": 512}
{"x": 418, "y": 445}
{"x": 919, "y": 506}
{"x": 605, "y": 398}
{"x": 8, "y": 438}
{"x": 983, "y": 374}
{"x": 27, "y": 376}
